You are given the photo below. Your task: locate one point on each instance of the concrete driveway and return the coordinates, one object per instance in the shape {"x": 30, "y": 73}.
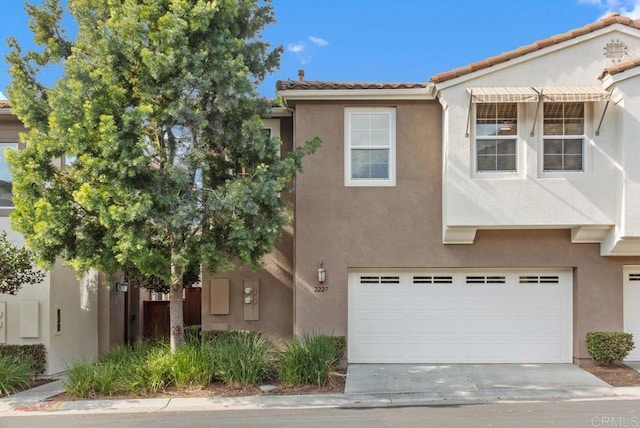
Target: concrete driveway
{"x": 481, "y": 381}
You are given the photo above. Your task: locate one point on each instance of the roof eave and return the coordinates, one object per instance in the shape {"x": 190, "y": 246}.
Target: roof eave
{"x": 426, "y": 93}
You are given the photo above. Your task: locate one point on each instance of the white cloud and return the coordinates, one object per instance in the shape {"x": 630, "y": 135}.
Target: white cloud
{"x": 296, "y": 47}
{"x": 2, "y": 97}
{"x": 630, "y": 8}
{"x": 318, "y": 41}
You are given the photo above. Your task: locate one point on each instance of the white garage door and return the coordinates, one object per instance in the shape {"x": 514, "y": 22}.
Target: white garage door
{"x": 460, "y": 317}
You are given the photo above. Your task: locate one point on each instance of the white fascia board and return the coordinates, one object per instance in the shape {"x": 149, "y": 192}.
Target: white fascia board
{"x": 611, "y": 80}
{"x": 275, "y": 112}
{"x": 6, "y": 111}
{"x": 533, "y": 55}
{"x": 357, "y": 94}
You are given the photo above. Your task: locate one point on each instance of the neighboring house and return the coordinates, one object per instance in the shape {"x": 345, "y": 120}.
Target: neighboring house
{"x": 489, "y": 215}
{"x": 73, "y": 318}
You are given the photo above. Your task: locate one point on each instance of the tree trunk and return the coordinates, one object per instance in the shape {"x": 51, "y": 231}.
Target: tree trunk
{"x": 176, "y": 318}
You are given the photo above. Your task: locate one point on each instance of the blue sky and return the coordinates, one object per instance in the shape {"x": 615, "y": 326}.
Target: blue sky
{"x": 390, "y": 40}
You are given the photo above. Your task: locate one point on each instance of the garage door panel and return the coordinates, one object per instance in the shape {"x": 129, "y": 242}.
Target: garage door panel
{"x": 460, "y": 322}
{"x": 534, "y": 326}
{"x": 388, "y": 303}
{"x": 377, "y": 315}
{"x": 383, "y": 326}
{"x": 487, "y": 326}
{"x": 434, "y": 326}
{"x": 484, "y": 303}
{"x": 432, "y": 303}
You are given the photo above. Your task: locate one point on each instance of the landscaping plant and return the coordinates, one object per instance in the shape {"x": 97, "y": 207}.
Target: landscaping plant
{"x": 308, "y": 360}
{"x": 244, "y": 358}
{"x": 15, "y": 374}
{"x": 609, "y": 346}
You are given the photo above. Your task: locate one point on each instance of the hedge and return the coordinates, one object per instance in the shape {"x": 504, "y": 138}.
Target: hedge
{"x": 607, "y": 347}
{"x": 216, "y": 336}
{"x": 35, "y": 355}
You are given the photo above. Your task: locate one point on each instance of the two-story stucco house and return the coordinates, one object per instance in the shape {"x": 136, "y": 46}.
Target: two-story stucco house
{"x": 491, "y": 214}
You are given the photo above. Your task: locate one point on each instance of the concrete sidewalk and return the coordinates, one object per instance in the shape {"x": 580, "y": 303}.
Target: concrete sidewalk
{"x": 441, "y": 384}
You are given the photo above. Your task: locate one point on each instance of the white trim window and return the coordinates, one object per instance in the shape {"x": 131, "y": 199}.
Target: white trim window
{"x": 6, "y": 185}
{"x": 563, "y": 137}
{"x": 496, "y": 137}
{"x": 370, "y": 146}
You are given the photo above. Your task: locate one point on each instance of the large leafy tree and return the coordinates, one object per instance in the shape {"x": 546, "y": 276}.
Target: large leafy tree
{"x": 16, "y": 267}
{"x": 157, "y": 112}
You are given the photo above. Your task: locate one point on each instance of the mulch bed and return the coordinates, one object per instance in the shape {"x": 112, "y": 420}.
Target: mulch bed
{"x": 616, "y": 374}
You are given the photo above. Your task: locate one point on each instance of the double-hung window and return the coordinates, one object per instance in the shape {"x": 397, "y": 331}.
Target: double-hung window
{"x": 5, "y": 177}
{"x": 563, "y": 137}
{"x": 370, "y": 146}
{"x": 496, "y": 137}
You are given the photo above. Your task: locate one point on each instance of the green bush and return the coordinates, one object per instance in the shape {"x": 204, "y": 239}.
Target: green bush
{"x": 340, "y": 343}
{"x": 308, "y": 360}
{"x": 192, "y": 334}
{"x": 193, "y": 364}
{"x": 86, "y": 379}
{"x": 217, "y": 336}
{"x": 34, "y": 355}
{"x": 609, "y": 346}
{"x": 244, "y": 358}
{"x": 14, "y": 374}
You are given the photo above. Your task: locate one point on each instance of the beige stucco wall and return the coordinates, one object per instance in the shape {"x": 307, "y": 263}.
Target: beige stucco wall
{"x": 401, "y": 227}
{"x": 276, "y": 280}
{"x": 78, "y": 301}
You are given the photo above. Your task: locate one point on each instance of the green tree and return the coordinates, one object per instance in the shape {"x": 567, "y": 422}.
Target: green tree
{"x": 158, "y": 109}
{"x": 16, "y": 267}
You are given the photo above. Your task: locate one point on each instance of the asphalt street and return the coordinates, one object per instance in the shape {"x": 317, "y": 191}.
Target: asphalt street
{"x": 584, "y": 413}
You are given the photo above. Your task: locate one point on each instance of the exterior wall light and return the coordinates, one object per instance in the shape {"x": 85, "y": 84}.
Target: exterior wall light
{"x": 322, "y": 273}
{"x": 123, "y": 284}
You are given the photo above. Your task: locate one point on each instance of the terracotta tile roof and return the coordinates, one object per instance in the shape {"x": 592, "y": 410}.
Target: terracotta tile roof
{"x": 297, "y": 84}
{"x": 620, "y": 67}
{"x": 612, "y": 19}
{"x": 5, "y": 104}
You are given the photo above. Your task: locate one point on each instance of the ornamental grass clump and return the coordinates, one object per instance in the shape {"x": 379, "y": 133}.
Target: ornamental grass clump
{"x": 609, "y": 347}
{"x": 15, "y": 374}
{"x": 244, "y": 358}
{"x": 308, "y": 360}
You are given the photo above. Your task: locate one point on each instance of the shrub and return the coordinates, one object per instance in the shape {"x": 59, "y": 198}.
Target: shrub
{"x": 217, "y": 336}
{"x": 34, "y": 355}
{"x": 243, "y": 358}
{"x": 14, "y": 374}
{"x": 193, "y": 364}
{"x": 86, "y": 379}
{"x": 609, "y": 346}
{"x": 309, "y": 360}
{"x": 192, "y": 334}
{"x": 340, "y": 343}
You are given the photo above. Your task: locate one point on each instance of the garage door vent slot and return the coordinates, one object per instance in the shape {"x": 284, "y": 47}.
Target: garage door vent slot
{"x": 486, "y": 280}
{"x": 540, "y": 279}
{"x": 433, "y": 280}
{"x": 368, "y": 279}
{"x": 634, "y": 277}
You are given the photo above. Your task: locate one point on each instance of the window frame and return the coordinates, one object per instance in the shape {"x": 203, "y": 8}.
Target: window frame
{"x": 15, "y": 146}
{"x": 349, "y": 181}
{"x": 517, "y": 141}
{"x": 582, "y": 137}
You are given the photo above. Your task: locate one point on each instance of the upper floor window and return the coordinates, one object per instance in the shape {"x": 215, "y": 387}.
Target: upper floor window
{"x": 496, "y": 137}
{"x": 5, "y": 176}
{"x": 370, "y": 146}
{"x": 563, "y": 139}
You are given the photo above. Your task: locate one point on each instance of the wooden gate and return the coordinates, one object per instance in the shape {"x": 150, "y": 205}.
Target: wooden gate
{"x": 156, "y": 314}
